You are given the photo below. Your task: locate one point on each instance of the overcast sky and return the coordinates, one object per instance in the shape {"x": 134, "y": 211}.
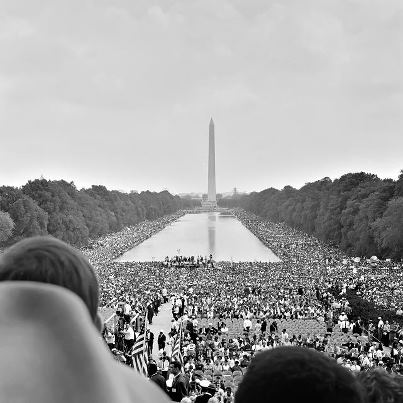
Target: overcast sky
{"x": 120, "y": 92}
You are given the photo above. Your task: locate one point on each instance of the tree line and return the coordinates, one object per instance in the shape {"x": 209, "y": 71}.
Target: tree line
{"x": 75, "y": 216}
{"x": 358, "y": 212}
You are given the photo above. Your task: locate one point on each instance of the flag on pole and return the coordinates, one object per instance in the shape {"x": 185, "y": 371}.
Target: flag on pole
{"x": 140, "y": 359}
{"x": 176, "y": 349}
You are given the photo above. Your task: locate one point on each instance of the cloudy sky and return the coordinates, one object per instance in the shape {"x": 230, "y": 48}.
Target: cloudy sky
{"x": 120, "y": 92}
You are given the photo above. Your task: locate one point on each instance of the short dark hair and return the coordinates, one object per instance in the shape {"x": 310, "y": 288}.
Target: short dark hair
{"x": 291, "y": 374}
{"x": 379, "y": 386}
{"x": 45, "y": 259}
{"x": 152, "y": 368}
{"x": 176, "y": 364}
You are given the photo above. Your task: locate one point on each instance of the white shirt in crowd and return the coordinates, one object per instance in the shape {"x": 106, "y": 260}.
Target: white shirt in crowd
{"x": 129, "y": 333}
{"x": 247, "y": 323}
{"x": 127, "y": 309}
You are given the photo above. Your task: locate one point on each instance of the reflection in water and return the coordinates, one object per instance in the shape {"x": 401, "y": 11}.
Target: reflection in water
{"x": 212, "y": 218}
{"x": 201, "y": 234}
{"x": 211, "y": 240}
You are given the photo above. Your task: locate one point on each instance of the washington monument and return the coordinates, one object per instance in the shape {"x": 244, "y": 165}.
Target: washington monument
{"x": 211, "y": 199}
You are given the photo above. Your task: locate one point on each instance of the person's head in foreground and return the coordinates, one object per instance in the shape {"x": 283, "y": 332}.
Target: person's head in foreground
{"x": 381, "y": 387}
{"x": 296, "y": 374}
{"x": 49, "y": 260}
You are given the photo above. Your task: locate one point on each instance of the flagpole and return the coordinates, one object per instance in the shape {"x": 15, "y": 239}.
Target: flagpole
{"x": 176, "y": 350}
{"x": 140, "y": 350}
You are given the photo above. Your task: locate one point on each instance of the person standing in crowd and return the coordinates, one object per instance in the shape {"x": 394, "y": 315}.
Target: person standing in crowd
{"x": 155, "y": 377}
{"x": 110, "y": 339}
{"x": 343, "y": 322}
{"x": 157, "y": 303}
{"x": 150, "y": 313}
{"x": 179, "y": 387}
{"x": 263, "y": 327}
{"x": 128, "y": 337}
{"x": 284, "y": 337}
{"x": 392, "y": 332}
{"x": 385, "y": 334}
{"x": 357, "y": 326}
{"x": 127, "y": 309}
{"x": 371, "y": 331}
{"x": 247, "y": 324}
{"x": 161, "y": 341}
{"x": 150, "y": 341}
{"x": 380, "y": 328}
{"x": 164, "y": 364}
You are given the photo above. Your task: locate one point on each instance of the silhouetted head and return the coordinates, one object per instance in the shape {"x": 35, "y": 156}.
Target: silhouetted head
{"x": 49, "y": 260}
{"x": 152, "y": 368}
{"x": 295, "y": 374}
{"x": 381, "y": 387}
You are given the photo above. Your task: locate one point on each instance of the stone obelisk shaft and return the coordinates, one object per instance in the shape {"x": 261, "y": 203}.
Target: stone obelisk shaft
{"x": 211, "y": 165}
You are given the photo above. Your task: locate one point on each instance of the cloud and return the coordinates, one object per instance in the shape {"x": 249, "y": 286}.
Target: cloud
{"x": 147, "y": 74}
{"x": 158, "y": 15}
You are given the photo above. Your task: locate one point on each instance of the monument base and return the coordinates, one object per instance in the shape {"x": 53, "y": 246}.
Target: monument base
{"x": 209, "y": 205}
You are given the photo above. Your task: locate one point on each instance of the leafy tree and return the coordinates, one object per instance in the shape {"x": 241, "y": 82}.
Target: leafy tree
{"x": 399, "y": 185}
{"x": 389, "y": 228}
{"x": 95, "y": 217}
{"x": 358, "y": 211}
{"x": 56, "y": 207}
{"x": 29, "y": 218}
{"x": 6, "y": 226}
{"x": 8, "y": 196}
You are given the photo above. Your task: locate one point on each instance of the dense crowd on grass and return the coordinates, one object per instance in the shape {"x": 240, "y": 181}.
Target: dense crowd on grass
{"x": 378, "y": 281}
{"x": 230, "y": 321}
{"x": 232, "y": 311}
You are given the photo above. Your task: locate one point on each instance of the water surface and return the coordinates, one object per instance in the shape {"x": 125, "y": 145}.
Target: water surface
{"x": 219, "y": 234}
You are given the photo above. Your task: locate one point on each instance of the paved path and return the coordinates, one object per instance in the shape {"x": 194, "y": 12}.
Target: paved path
{"x": 162, "y": 322}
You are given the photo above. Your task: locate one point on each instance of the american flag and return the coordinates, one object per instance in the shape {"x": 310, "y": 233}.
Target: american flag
{"x": 140, "y": 359}
{"x": 176, "y": 349}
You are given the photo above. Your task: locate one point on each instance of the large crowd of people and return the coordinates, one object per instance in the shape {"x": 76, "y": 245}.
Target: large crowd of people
{"x": 227, "y": 314}
{"x": 231, "y": 311}
{"x": 378, "y": 281}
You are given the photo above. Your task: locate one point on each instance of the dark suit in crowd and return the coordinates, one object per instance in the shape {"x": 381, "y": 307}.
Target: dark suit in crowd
{"x": 159, "y": 380}
{"x": 179, "y": 388}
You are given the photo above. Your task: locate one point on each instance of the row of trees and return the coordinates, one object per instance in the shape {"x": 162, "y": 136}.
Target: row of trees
{"x": 58, "y": 208}
{"x": 358, "y": 212}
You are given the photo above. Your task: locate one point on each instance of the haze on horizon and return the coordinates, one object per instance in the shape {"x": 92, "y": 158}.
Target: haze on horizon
{"x": 120, "y": 93}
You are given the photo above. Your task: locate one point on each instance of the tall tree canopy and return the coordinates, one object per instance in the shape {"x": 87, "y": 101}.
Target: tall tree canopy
{"x": 358, "y": 212}
{"x": 6, "y": 226}
{"x": 58, "y": 208}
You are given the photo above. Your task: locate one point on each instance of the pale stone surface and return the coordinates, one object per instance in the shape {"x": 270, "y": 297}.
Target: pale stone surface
{"x": 162, "y": 322}
{"x": 211, "y": 166}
